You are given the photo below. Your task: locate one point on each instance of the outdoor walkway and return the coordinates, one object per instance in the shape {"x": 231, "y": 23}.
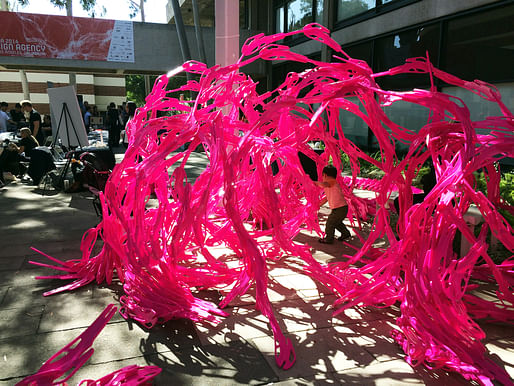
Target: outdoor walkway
{"x": 354, "y": 348}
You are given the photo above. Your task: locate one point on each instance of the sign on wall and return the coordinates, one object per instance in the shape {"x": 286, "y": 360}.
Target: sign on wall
{"x": 63, "y": 37}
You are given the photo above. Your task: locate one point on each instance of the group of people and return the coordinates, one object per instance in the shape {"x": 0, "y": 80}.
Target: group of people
{"x": 33, "y": 132}
{"x": 116, "y": 119}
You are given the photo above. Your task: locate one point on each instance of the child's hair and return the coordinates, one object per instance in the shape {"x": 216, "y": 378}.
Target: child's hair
{"x": 330, "y": 170}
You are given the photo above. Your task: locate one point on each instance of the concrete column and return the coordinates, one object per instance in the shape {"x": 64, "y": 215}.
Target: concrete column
{"x": 327, "y": 22}
{"x": 24, "y": 84}
{"x": 72, "y": 76}
{"x": 227, "y": 31}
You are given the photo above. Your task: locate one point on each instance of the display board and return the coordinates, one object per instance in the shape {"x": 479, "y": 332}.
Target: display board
{"x": 69, "y": 125}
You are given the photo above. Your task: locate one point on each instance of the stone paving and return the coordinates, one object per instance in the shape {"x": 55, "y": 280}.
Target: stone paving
{"x": 353, "y": 348}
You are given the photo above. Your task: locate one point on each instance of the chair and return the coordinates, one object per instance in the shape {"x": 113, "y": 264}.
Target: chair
{"x": 95, "y": 174}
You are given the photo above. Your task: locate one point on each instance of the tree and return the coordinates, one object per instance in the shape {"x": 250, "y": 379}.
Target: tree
{"x": 135, "y": 86}
{"x": 135, "y": 8}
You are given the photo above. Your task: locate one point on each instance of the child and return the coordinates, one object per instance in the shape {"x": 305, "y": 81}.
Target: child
{"x": 336, "y": 202}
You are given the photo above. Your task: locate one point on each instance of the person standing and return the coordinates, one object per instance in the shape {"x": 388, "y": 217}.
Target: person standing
{"x": 87, "y": 118}
{"x": 130, "y": 110}
{"x": 4, "y": 117}
{"x": 113, "y": 125}
{"x": 17, "y": 116}
{"x": 33, "y": 120}
{"x": 337, "y": 203}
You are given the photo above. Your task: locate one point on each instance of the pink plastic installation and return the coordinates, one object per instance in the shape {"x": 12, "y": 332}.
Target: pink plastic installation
{"x": 64, "y": 363}
{"x": 163, "y": 252}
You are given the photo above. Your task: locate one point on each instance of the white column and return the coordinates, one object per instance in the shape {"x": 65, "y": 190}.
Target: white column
{"x": 227, "y": 31}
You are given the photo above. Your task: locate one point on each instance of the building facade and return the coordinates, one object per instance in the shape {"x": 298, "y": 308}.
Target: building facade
{"x": 471, "y": 39}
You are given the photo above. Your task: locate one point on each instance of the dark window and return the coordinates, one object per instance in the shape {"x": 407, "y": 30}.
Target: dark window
{"x": 350, "y": 8}
{"x": 299, "y": 13}
{"x": 393, "y": 50}
{"x": 243, "y": 14}
{"x": 481, "y": 46}
{"x": 361, "y": 51}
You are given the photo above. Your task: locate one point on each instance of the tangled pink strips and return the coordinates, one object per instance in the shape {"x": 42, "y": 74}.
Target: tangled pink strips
{"x": 163, "y": 254}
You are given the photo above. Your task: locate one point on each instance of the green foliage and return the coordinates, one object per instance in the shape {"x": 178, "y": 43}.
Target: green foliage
{"x": 506, "y": 185}
{"x": 367, "y": 169}
{"x": 135, "y": 86}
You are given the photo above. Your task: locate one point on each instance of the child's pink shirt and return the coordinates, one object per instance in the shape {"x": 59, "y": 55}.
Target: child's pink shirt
{"x": 335, "y": 196}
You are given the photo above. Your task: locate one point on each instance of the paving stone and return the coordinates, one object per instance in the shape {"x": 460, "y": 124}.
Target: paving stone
{"x": 243, "y": 323}
{"x": 317, "y": 351}
{"x": 374, "y": 337}
{"x": 19, "y": 321}
{"x": 97, "y": 371}
{"x": 24, "y": 277}
{"x": 397, "y": 372}
{"x": 23, "y": 355}
{"x": 3, "y": 292}
{"x": 11, "y": 263}
{"x": 232, "y": 363}
{"x": 502, "y": 352}
{"x": 31, "y": 295}
{"x": 317, "y": 379}
{"x": 68, "y": 312}
{"x": 497, "y": 331}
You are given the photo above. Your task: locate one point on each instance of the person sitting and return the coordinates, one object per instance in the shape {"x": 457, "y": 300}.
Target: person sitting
{"x": 26, "y": 144}
{"x": 11, "y": 158}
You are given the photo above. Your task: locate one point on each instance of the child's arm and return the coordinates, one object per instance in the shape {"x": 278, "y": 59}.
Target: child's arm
{"x": 322, "y": 184}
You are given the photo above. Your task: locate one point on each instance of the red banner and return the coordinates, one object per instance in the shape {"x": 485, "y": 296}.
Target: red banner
{"x": 63, "y": 37}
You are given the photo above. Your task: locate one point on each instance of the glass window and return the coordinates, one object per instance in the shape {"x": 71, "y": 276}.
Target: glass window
{"x": 361, "y": 51}
{"x": 349, "y": 8}
{"x": 409, "y": 115}
{"x": 480, "y": 108}
{"x": 299, "y": 13}
{"x": 354, "y": 128}
{"x": 481, "y": 46}
{"x": 243, "y": 13}
{"x": 393, "y": 50}
{"x": 279, "y": 20}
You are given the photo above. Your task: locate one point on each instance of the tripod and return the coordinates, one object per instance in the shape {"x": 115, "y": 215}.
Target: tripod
{"x": 65, "y": 113}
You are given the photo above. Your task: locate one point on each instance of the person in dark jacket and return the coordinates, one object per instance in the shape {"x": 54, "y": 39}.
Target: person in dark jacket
{"x": 113, "y": 125}
{"x": 33, "y": 120}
